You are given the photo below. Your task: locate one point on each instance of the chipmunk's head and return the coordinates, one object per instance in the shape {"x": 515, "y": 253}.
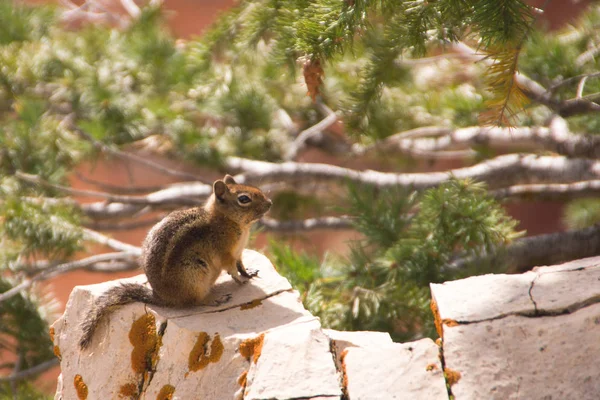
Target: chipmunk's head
{"x": 242, "y": 203}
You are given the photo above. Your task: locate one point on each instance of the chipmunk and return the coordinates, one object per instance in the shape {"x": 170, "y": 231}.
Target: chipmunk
{"x": 184, "y": 253}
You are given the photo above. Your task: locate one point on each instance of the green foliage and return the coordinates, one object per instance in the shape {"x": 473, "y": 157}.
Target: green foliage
{"x": 24, "y": 332}
{"x": 408, "y": 240}
{"x": 19, "y": 23}
{"x": 41, "y": 229}
{"x": 25, "y": 390}
{"x": 582, "y": 213}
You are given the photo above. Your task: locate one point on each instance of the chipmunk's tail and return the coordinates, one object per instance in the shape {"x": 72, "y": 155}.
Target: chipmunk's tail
{"x": 114, "y": 298}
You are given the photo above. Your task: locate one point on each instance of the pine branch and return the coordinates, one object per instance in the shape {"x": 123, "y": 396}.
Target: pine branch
{"x": 548, "y": 249}
{"x": 507, "y": 96}
{"x": 536, "y": 92}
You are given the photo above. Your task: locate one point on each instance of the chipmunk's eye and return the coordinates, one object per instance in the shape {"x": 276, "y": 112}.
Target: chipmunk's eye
{"x": 243, "y": 199}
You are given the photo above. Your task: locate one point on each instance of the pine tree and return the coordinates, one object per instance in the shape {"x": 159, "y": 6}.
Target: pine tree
{"x": 475, "y": 81}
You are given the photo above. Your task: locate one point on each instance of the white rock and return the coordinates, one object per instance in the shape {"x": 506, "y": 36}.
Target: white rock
{"x": 553, "y": 357}
{"x": 395, "y": 371}
{"x": 482, "y": 297}
{"x": 343, "y": 339}
{"x": 296, "y": 362}
{"x": 529, "y": 336}
{"x": 568, "y": 286}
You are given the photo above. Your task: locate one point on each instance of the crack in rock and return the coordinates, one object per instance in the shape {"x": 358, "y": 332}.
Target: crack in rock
{"x": 535, "y": 308}
{"x": 339, "y": 367}
{"x": 220, "y": 310}
{"x": 537, "y": 313}
{"x": 152, "y": 362}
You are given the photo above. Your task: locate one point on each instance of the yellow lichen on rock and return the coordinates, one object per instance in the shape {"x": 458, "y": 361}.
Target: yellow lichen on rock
{"x": 166, "y": 393}
{"x": 199, "y": 357}
{"x": 144, "y": 339}
{"x": 242, "y": 379}
{"x": 57, "y": 352}
{"x": 436, "y": 318}
{"x": 252, "y": 347}
{"x": 452, "y": 376}
{"x": 252, "y": 304}
{"x": 128, "y": 390}
{"x": 80, "y": 387}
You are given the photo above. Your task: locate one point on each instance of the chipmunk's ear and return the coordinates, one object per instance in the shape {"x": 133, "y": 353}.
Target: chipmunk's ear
{"x": 229, "y": 180}
{"x": 220, "y": 188}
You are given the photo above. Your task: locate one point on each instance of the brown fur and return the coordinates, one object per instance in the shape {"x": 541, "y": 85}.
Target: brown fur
{"x": 184, "y": 254}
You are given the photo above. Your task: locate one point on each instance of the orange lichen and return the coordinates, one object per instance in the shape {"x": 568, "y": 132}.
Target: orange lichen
{"x": 166, "y": 393}
{"x": 450, "y": 322}
{"x": 252, "y": 304}
{"x": 199, "y": 358}
{"x": 51, "y": 332}
{"x": 344, "y": 375}
{"x": 57, "y": 352}
{"x": 128, "y": 390}
{"x": 252, "y": 348}
{"x": 451, "y": 376}
{"x": 243, "y": 379}
{"x": 431, "y": 367}
{"x": 436, "y": 317}
{"x": 145, "y": 342}
{"x": 216, "y": 349}
{"x": 80, "y": 387}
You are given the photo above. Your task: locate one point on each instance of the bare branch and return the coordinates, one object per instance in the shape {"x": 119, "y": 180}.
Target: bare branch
{"x": 110, "y": 242}
{"x": 556, "y": 138}
{"x": 183, "y": 194}
{"x": 299, "y": 143}
{"x": 145, "y": 200}
{"x": 502, "y": 171}
{"x": 38, "y": 369}
{"x": 556, "y": 191}
{"x": 118, "y": 189}
{"x": 548, "y": 249}
{"x": 59, "y": 269}
{"x": 124, "y": 226}
{"x": 571, "y": 80}
{"x": 131, "y": 8}
{"x": 330, "y": 223}
{"x": 580, "y": 87}
{"x": 68, "y": 122}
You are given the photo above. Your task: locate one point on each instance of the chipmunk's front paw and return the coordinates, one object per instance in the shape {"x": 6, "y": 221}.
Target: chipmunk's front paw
{"x": 252, "y": 273}
{"x": 246, "y": 273}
